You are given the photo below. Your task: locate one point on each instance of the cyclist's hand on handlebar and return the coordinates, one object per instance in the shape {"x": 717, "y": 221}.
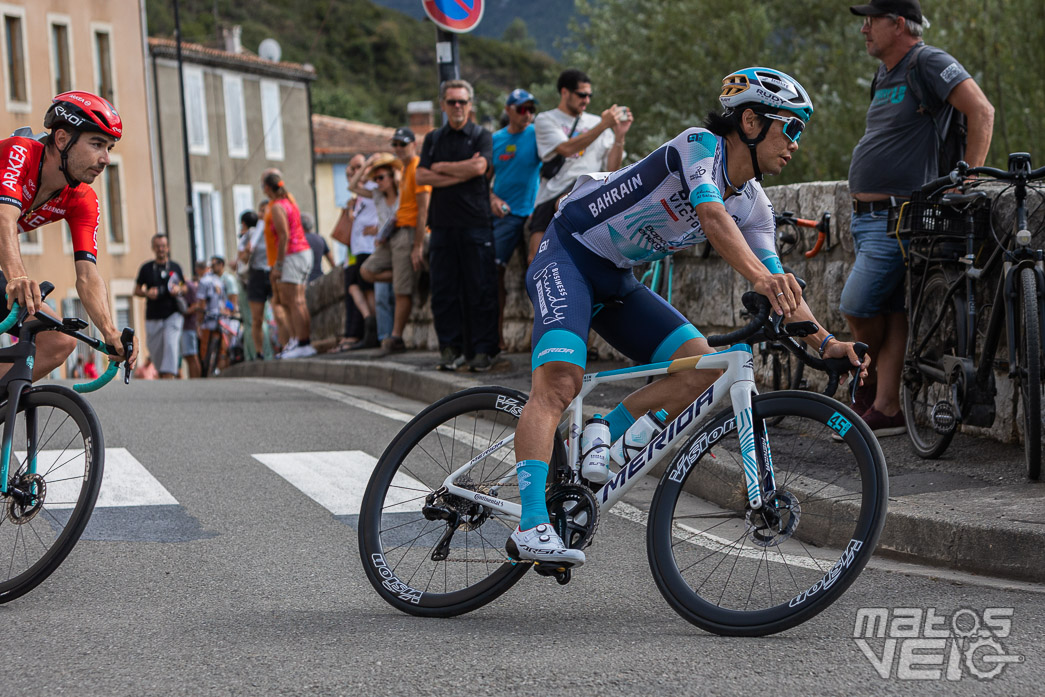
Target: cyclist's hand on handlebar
{"x": 27, "y": 292}
{"x": 783, "y": 292}
{"x": 113, "y": 338}
{"x": 844, "y": 349}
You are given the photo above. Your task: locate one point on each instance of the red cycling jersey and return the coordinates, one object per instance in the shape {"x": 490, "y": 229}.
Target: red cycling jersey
{"x": 21, "y": 161}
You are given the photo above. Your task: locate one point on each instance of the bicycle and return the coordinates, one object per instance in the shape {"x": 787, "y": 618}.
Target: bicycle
{"x": 789, "y": 233}
{"x": 443, "y": 498}
{"x": 948, "y": 377}
{"x": 50, "y": 478}
{"x": 226, "y": 341}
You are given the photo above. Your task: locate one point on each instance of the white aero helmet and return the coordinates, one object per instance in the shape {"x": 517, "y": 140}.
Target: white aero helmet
{"x": 767, "y": 87}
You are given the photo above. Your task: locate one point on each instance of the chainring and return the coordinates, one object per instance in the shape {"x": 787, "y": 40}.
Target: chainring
{"x": 574, "y": 512}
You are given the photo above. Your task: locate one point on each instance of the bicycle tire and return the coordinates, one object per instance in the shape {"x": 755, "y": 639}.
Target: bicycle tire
{"x": 1029, "y": 360}
{"x": 36, "y": 539}
{"x": 844, "y": 498}
{"x": 919, "y": 392}
{"x": 210, "y": 359}
{"x": 436, "y": 442}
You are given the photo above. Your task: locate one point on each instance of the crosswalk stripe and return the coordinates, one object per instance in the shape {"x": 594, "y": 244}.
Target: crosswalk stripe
{"x": 125, "y": 481}
{"x": 337, "y": 480}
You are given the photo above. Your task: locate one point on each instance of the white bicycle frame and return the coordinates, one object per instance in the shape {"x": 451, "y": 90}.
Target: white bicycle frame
{"x": 737, "y": 384}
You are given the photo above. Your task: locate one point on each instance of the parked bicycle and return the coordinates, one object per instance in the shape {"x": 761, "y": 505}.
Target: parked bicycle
{"x": 771, "y": 542}
{"x": 52, "y": 456}
{"x": 956, "y": 262}
{"x": 789, "y": 233}
{"x": 225, "y": 346}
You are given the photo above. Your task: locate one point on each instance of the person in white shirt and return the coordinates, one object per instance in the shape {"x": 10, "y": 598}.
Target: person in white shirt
{"x": 585, "y": 142}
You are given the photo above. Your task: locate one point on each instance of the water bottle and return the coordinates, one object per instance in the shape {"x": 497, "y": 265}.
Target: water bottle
{"x": 638, "y": 436}
{"x": 595, "y": 450}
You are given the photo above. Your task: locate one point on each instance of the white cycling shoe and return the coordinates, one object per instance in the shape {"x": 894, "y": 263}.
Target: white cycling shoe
{"x": 542, "y": 544}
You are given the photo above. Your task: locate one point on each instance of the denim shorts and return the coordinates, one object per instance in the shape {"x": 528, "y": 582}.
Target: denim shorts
{"x": 507, "y": 235}
{"x": 876, "y": 282}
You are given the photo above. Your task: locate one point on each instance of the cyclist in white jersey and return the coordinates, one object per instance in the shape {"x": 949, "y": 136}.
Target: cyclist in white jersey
{"x": 701, "y": 185}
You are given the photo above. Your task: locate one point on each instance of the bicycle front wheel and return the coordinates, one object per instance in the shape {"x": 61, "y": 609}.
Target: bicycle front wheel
{"x": 434, "y": 554}
{"x": 928, "y": 405}
{"x": 1029, "y": 358}
{"x": 738, "y": 572}
{"x": 55, "y": 474}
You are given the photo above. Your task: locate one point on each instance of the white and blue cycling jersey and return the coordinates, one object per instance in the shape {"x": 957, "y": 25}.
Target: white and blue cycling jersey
{"x": 582, "y": 278}
{"x": 646, "y": 211}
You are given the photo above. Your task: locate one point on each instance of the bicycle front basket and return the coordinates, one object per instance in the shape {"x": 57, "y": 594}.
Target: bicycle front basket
{"x": 921, "y": 216}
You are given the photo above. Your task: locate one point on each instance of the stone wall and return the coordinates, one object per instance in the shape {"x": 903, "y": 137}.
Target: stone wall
{"x": 707, "y": 291}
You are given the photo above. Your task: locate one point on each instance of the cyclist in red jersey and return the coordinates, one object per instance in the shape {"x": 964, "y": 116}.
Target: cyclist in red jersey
{"x": 42, "y": 182}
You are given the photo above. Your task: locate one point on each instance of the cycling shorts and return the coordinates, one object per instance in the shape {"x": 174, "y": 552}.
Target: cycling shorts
{"x": 574, "y": 290}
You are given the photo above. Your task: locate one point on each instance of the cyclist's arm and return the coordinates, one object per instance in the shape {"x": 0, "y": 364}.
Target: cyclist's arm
{"x": 24, "y": 290}
{"x": 94, "y": 294}
{"x": 968, "y": 98}
{"x": 834, "y": 348}
{"x": 723, "y": 234}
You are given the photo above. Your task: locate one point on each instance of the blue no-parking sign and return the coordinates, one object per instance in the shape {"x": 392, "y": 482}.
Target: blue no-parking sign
{"x": 455, "y": 15}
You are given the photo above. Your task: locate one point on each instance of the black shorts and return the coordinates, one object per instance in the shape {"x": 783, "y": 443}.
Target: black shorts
{"x": 259, "y": 286}
{"x": 542, "y": 216}
{"x": 353, "y": 277}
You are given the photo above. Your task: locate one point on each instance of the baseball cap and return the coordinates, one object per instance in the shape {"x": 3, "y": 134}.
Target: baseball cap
{"x": 909, "y": 9}
{"x": 403, "y": 135}
{"x": 519, "y": 96}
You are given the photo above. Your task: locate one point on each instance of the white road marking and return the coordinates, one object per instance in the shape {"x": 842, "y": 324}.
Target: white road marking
{"x": 125, "y": 481}
{"x": 337, "y": 480}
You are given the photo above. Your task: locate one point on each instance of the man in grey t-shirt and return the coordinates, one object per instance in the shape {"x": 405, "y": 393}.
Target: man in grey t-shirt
{"x": 897, "y": 154}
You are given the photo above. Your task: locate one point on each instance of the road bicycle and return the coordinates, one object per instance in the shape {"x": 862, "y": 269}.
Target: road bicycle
{"x": 957, "y": 264}
{"x": 739, "y": 543}
{"x": 52, "y": 457}
{"x": 226, "y": 341}
{"x": 789, "y": 233}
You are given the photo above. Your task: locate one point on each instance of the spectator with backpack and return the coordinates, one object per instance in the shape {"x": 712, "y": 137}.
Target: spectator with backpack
{"x": 921, "y": 99}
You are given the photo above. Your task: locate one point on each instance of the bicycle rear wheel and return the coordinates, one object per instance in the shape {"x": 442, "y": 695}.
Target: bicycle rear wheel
{"x": 928, "y": 404}
{"x": 210, "y": 358}
{"x": 736, "y": 572}
{"x": 51, "y": 494}
{"x": 413, "y": 558}
{"x": 1029, "y": 369}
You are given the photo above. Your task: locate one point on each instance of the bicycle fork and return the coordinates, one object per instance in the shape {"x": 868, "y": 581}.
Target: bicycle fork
{"x": 15, "y": 391}
{"x": 754, "y": 443}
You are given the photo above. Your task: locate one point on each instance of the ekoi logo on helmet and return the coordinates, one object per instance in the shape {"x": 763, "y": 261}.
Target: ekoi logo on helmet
{"x": 68, "y": 117}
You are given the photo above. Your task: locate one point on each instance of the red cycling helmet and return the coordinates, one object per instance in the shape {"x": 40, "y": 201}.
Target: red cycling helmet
{"x": 84, "y": 111}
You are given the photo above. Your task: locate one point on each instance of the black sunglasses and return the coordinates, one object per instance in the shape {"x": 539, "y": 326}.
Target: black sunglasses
{"x": 457, "y": 102}
{"x": 583, "y": 95}
{"x": 397, "y": 144}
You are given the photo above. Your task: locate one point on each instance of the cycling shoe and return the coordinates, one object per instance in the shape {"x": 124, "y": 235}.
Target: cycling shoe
{"x": 543, "y": 545}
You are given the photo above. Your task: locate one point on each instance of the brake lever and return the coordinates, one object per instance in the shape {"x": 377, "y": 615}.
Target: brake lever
{"x": 127, "y": 341}
{"x": 861, "y": 350}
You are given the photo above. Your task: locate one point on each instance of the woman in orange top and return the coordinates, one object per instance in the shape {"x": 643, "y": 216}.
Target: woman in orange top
{"x": 291, "y": 260}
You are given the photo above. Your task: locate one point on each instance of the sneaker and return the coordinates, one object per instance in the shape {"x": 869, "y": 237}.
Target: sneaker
{"x": 450, "y": 359}
{"x": 884, "y": 426}
{"x": 292, "y": 344}
{"x": 392, "y": 344}
{"x": 480, "y": 363}
{"x": 542, "y": 544}
{"x": 299, "y": 352}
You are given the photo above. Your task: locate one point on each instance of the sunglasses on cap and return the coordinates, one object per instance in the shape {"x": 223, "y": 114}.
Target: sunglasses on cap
{"x": 793, "y": 126}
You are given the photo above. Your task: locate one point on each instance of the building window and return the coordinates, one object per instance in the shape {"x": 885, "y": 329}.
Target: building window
{"x": 14, "y": 58}
{"x": 272, "y": 119}
{"x": 122, "y": 306}
{"x": 104, "y": 82}
{"x": 196, "y": 111}
{"x": 209, "y": 227}
{"x": 114, "y": 205}
{"x": 242, "y": 201}
{"x": 61, "y": 62}
{"x": 235, "y": 116}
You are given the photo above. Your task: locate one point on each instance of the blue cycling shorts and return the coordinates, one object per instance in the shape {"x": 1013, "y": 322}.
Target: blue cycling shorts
{"x": 573, "y": 290}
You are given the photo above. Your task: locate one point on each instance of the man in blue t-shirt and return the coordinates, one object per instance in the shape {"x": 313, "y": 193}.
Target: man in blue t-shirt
{"x": 516, "y": 176}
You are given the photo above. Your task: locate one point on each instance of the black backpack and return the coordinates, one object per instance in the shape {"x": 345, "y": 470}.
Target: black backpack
{"x": 950, "y": 124}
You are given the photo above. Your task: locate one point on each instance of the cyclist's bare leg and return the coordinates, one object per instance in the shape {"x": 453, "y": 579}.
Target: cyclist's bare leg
{"x": 555, "y": 385}
{"x": 678, "y": 390}
{"x": 52, "y": 348}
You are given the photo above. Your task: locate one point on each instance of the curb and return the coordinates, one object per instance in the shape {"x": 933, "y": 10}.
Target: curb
{"x": 931, "y": 532}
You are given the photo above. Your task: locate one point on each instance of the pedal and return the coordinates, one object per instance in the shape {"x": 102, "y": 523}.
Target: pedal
{"x": 562, "y": 574}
